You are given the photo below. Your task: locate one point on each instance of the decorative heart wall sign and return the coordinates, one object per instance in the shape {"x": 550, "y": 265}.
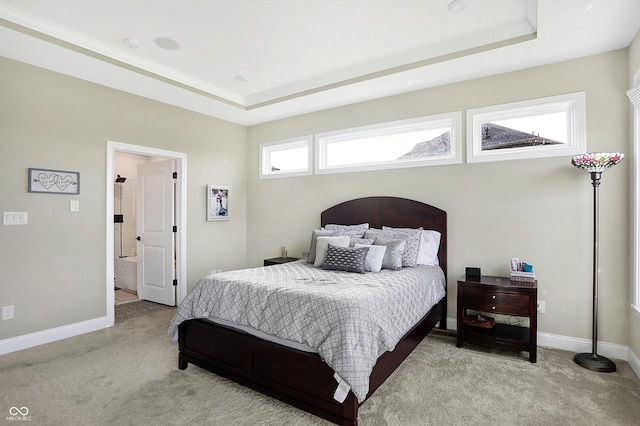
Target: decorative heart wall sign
{"x": 54, "y": 181}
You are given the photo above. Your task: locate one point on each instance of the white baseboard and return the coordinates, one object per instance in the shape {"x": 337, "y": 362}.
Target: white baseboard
{"x": 634, "y": 362}
{"x": 51, "y": 335}
{"x": 574, "y": 344}
{"x": 547, "y": 340}
{"x": 452, "y": 323}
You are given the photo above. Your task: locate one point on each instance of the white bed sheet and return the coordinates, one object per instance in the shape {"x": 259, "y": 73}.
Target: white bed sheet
{"x": 262, "y": 335}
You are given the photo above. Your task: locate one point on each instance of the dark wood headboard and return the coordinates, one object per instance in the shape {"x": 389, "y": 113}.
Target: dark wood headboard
{"x": 391, "y": 211}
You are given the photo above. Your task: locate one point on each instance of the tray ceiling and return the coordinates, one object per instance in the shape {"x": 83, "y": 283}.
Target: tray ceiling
{"x": 251, "y": 61}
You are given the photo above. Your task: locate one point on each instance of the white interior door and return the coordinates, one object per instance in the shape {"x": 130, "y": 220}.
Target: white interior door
{"x": 155, "y": 220}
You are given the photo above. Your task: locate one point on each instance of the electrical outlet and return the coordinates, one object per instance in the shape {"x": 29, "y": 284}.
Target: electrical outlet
{"x": 7, "y": 312}
{"x": 541, "y": 306}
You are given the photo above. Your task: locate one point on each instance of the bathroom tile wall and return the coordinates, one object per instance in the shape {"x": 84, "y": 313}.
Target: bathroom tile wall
{"x": 126, "y": 164}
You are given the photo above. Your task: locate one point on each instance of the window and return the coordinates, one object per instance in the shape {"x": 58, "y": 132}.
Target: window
{"x": 634, "y": 97}
{"x": 291, "y": 157}
{"x": 407, "y": 143}
{"x": 545, "y": 127}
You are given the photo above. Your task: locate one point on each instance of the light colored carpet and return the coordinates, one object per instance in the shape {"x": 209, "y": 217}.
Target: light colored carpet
{"x": 128, "y": 375}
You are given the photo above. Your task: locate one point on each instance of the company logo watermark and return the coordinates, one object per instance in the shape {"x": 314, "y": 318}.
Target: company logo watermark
{"x": 18, "y": 414}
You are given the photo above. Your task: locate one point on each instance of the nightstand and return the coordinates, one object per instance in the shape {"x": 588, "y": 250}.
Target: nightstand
{"x": 499, "y": 295}
{"x": 279, "y": 260}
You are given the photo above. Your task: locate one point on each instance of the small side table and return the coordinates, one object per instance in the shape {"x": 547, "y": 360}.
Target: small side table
{"x": 279, "y": 260}
{"x": 499, "y": 295}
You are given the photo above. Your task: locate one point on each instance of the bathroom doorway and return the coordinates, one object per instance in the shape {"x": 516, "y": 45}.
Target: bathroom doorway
{"x": 123, "y": 162}
{"x": 126, "y": 166}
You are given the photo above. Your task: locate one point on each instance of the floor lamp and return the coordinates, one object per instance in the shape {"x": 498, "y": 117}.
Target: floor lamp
{"x": 595, "y": 163}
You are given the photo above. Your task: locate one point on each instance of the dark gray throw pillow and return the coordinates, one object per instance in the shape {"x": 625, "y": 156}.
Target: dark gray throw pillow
{"x": 347, "y": 259}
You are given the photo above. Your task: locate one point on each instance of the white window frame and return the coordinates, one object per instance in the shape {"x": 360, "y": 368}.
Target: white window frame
{"x": 267, "y": 148}
{"x": 634, "y": 97}
{"x": 452, "y": 119}
{"x": 573, "y": 103}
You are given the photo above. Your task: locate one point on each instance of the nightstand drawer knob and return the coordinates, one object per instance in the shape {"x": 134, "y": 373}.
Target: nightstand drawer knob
{"x": 493, "y": 297}
{"x": 493, "y": 308}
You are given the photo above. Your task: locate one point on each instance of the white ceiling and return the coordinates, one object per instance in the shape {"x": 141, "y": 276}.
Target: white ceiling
{"x": 252, "y": 61}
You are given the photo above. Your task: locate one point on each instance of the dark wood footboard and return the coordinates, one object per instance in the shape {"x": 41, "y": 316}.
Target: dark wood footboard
{"x": 298, "y": 378}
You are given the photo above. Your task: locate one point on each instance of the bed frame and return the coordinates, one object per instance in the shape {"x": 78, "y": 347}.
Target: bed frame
{"x": 299, "y": 378}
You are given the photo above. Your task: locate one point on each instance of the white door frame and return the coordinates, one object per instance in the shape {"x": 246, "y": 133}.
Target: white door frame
{"x": 181, "y": 217}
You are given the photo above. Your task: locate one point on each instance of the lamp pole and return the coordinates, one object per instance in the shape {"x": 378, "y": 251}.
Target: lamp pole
{"x": 593, "y": 361}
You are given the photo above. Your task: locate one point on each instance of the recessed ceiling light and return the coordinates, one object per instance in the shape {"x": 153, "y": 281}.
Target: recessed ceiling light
{"x": 456, "y": 6}
{"x": 131, "y": 43}
{"x": 241, "y": 78}
{"x": 166, "y": 43}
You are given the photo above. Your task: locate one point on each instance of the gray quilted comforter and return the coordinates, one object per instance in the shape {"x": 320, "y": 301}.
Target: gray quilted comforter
{"x": 348, "y": 318}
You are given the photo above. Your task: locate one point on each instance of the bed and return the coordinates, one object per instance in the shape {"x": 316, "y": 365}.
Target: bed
{"x": 300, "y": 376}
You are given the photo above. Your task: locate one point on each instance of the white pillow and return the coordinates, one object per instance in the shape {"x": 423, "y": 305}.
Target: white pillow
{"x": 375, "y": 255}
{"x": 429, "y": 246}
{"x": 322, "y": 243}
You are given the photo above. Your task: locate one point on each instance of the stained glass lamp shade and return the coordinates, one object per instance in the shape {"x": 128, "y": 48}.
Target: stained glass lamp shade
{"x": 597, "y": 162}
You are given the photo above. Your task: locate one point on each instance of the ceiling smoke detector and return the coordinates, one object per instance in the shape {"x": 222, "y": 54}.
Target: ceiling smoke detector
{"x": 131, "y": 43}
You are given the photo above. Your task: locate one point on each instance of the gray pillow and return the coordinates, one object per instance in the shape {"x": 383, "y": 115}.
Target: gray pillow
{"x": 311, "y": 258}
{"x": 411, "y": 236}
{"x": 347, "y": 259}
{"x": 353, "y": 231}
{"x": 363, "y": 241}
{"x": 334, "y": 227}
{"x": 393, "y": 255}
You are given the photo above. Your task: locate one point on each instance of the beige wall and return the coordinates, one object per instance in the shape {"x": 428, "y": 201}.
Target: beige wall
{"x": 53, "y": 270}
{"x": 536, "y": 209}
{"x": 539, "y": 209}
{"x": 634, "y": 67}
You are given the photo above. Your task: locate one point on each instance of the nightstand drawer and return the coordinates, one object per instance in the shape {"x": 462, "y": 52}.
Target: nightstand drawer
{"x": 498, "y": 302}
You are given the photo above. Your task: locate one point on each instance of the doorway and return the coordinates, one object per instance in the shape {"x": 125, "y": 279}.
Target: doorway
{"x": 114, "y": 241}
{"x": 138, "y": 175}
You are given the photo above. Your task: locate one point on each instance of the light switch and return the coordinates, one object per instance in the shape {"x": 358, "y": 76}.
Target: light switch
{"x": 74, "y": 205}
{"x": 15, "y": 218}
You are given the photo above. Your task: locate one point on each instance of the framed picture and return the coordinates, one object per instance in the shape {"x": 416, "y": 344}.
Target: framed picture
{"x": 218, "y": 202}
{"x": 545, "y": 127}
{"x": 54, "y": 181}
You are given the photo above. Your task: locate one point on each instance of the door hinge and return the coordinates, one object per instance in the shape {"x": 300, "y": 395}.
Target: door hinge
{"x": 175, "y": 283}
{"x": 175, "y": 228}
{"x": 175, "y": 175}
